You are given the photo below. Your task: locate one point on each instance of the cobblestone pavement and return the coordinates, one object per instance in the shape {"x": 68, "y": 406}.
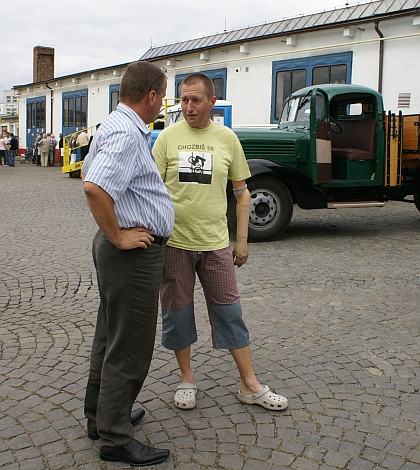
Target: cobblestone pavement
{"x": 333, "y": 311}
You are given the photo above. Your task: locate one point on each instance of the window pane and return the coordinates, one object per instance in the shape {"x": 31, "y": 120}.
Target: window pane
{"x": 283, "y": 87}
{"x": 298, "y": 80}
{"x": 83, "y": 112}
{"x": 218, "y": 88}
{"x": 288, "y": 82}
{"x": 43, "y": 113}
{"x": 304, "y": 109}
{"x": 40, "y": 114}
{"x": 320, "y": 75}
{"x": 338, "y": 73}
{"x": 71, "y": 112}
{"x": 30, "y": 115}
{"x": 68, "y": 112}
{"x": 78, "y": 110}
{"x": 65, "y": 112}
{"x": 114, "y": 100}
{"x": 320, "y": 109}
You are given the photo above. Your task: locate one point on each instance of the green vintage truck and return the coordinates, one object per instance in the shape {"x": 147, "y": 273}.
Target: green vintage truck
{"x": 334, "y": 147}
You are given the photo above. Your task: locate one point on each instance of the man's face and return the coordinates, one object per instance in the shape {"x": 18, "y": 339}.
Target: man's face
{"x": 196, "y": 105}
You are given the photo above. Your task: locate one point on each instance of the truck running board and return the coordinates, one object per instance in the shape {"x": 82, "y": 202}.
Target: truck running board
{"x": 341, "y": 205}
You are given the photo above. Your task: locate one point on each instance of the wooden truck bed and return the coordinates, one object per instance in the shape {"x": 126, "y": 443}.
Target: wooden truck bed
{"x": 402, "y": 145}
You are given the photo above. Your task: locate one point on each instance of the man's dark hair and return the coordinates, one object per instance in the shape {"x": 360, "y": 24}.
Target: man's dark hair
{"x": 139, "y": 79}
{"x": 199, "y": 77}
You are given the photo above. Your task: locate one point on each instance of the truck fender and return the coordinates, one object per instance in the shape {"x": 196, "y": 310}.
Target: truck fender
{"x": 301, "y": 187}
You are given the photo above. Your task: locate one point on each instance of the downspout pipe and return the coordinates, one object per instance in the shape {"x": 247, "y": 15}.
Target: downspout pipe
{"x": 51, "y": 114}
{"x": 381, "y": 56}
{"x": 51, "y": 105}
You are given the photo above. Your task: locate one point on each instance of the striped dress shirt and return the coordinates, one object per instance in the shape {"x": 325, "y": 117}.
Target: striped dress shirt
{"x": 121, "y": 163}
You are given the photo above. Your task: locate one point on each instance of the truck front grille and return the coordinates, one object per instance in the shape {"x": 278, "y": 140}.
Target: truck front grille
{"x": 268, "y": 149}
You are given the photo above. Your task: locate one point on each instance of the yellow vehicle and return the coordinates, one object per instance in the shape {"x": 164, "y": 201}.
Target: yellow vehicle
{"x": 69, "y": 166}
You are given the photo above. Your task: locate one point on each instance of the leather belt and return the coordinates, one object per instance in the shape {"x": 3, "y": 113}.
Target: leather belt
{"x": 159, "y": 240}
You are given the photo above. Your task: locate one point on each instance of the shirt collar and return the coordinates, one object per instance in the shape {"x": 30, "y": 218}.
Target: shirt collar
{"x": 123, "y": 108}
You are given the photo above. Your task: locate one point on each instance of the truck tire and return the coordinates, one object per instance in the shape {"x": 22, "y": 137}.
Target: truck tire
{"x": 271, "y": 209}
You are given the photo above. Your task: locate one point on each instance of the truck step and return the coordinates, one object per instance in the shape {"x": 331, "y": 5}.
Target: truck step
{"x": 351, "y": 204}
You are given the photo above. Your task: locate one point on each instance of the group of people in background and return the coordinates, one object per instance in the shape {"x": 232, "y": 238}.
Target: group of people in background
{"x": 44, "y": 149}
{"x": 80, "y": 140}
{"x": 8, "y": 149}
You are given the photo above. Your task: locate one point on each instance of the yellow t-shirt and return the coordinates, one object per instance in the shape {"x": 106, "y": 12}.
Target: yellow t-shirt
{"x": 195, "y": 165}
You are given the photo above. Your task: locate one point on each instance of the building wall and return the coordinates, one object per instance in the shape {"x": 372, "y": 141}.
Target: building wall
{"x": 97, "y": 85}
{"x": 9, "y": 105}
{"x": 8, "y": 113}
{"x": 250, "y": 78}
{"x": 401, "y": 64}
{"x": 249, "y": 84}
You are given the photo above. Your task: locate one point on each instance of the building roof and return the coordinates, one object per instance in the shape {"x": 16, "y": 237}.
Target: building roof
{"x": 75, "y": 74}
{"x": 355, "y": 14}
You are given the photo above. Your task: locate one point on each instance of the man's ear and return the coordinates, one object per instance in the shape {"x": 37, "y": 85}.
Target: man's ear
{"x": 151, "y": 97}
{"x": 213, "y": 101}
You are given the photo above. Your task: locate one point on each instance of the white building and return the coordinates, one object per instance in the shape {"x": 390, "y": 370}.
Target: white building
{"x": 9, "y": 113}
{"x": 375, "y": 44}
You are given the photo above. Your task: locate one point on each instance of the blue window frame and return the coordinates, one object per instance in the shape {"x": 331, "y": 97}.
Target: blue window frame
{"x": 75, "y": 108}
{"x": 218, "y": 77}
{"x": 35, "y": 118}
{"x": 114, "y": 97}
{"x": 293, "y": 74}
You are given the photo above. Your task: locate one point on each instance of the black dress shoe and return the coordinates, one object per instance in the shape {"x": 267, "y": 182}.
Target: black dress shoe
{"x": 134, "y": 453}
{"x": 136, "y": 417}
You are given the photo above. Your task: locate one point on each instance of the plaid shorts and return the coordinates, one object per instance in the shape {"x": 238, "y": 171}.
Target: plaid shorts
{"x": 216, "y": 272}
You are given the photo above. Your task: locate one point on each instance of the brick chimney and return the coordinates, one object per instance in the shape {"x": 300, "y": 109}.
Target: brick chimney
{"x": 43, "y": 63}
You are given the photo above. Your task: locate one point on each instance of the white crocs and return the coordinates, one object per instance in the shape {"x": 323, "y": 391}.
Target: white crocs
{"x": 185, "y": 396}
{"x": 266, "y": 398}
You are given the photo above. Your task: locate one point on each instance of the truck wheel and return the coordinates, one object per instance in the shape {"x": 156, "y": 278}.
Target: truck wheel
{"x": 271, "y": 209}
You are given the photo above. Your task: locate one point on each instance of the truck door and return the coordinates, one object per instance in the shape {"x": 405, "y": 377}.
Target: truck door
{"x": 320, "y": 138}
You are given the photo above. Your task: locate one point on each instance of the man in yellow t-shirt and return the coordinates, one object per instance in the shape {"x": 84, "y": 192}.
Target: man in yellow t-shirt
{"x": 196, "y": 157}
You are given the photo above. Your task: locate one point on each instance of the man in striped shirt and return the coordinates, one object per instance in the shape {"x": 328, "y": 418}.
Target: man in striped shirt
{"x": 134, "y": 212}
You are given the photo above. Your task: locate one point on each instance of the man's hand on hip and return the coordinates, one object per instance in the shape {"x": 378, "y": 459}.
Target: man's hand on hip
{"x": 130, "y": 238}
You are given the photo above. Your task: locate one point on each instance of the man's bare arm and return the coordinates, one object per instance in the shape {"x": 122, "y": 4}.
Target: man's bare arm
{"x": 240, "y": 251}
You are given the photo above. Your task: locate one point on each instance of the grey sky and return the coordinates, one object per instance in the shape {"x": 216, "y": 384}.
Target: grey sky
{"x": 89, "y": 35}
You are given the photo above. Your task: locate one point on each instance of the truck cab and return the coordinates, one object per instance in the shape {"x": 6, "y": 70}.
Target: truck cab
{"x": 334, "y": 147}
{"x": 345, "y": 132}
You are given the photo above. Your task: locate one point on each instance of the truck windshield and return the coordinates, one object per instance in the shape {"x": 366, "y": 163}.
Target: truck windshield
{"x": 296, "y": 109}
